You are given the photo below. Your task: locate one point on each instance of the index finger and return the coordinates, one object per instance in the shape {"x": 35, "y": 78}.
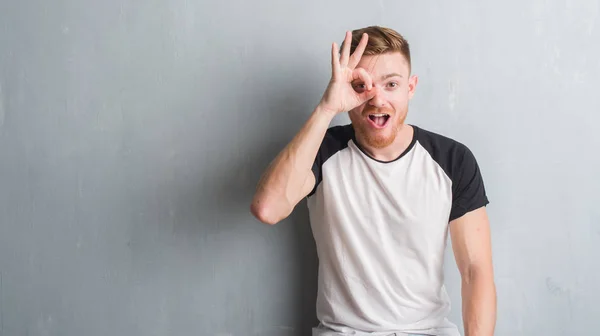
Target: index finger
{"x": 358, "y": 52}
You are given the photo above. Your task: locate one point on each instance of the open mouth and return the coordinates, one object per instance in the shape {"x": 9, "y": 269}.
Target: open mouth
{"x": 379, "y": 120}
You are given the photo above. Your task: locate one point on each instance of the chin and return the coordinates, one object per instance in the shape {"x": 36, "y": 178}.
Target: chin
{"x": 376, "y": 138}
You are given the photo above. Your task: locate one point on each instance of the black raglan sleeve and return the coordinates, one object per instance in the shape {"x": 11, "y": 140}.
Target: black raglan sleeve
{"x": 336, "y": 138}
{"x": 468, "y": 190}
{"x": 316, "y": 167}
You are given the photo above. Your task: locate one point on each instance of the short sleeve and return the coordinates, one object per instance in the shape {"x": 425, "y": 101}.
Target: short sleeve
{"x": 468, "y": 190}
{"x": 316, "y": 169}
{"x": 336, "y": 138}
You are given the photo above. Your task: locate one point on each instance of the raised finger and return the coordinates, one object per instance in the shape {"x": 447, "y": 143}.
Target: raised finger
{"x": 358, "y": 52}
{"x": 335, "y": 59}
{"x": 346, "y": 49}
{"x": 368, "y": 95}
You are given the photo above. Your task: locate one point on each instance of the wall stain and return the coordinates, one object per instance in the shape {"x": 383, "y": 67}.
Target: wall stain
{"x": 554, "y": 288}
{"x": 453, "y": 87}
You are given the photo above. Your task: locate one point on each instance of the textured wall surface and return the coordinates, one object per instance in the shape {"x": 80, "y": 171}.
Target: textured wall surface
{"x": 132, "y": 134}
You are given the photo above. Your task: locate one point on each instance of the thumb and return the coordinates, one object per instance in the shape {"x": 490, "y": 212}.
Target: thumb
{"x": 368, "y": 94}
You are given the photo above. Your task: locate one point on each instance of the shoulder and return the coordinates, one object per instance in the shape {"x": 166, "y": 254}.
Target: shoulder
{"x": 336, "y": 138}
{"x": 438, "y": 143}
{"x": 340, "y": 134}
{"x": 453, "y": 156}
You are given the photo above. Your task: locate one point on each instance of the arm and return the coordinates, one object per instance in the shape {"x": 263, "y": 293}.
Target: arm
{"x": 289, "y": 177}
{"x": 471, "y": 244}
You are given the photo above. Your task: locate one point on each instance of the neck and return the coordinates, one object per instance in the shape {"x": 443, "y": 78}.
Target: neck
{"x": 395, "y": 149}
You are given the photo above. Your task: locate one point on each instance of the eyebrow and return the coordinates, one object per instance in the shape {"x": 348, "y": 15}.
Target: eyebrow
{"x": 394, "y": 74}
{"x": 384, "y": 77}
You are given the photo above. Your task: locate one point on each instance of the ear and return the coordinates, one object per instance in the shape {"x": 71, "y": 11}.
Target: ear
{"x": 412, "y": 85}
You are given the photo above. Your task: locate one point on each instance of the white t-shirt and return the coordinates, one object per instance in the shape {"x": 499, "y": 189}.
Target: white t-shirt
{"x": 381, "y": 228}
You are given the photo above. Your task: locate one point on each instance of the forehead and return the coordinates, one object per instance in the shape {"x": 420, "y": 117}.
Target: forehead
{"x": 384, "y": 64}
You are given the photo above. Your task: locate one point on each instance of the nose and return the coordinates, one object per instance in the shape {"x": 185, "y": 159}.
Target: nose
{"x": 378, "y": 99}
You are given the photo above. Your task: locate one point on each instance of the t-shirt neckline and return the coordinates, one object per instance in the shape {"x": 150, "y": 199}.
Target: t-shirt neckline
{"x": 408, "y": 149}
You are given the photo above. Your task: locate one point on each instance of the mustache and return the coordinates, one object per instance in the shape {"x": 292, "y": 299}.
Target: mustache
{"x": 375, "y": 110}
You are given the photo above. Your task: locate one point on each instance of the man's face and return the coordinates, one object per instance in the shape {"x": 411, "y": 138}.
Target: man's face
{"x": 378, "y": 120}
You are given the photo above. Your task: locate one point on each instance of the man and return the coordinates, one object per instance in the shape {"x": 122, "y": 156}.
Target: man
{"x": 382, "y": 197}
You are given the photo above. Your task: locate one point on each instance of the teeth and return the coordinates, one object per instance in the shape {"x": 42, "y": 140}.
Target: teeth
{"x": 379, "y": 115}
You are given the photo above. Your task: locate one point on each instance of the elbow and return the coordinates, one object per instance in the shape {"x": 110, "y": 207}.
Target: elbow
{"x": 264, "y": 212}
{"x": 474, "y": 274}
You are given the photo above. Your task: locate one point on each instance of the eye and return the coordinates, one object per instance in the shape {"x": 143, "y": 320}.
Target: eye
{"x": 359, "y": 87}
{"x": 392, "y": 84}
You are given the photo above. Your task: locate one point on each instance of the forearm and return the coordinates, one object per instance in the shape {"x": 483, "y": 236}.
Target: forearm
{"x": 479, "y": 304}
{"x": 281, "y": 185}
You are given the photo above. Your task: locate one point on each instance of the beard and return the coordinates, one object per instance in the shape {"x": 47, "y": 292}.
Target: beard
{"x": 378, "y": 138}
